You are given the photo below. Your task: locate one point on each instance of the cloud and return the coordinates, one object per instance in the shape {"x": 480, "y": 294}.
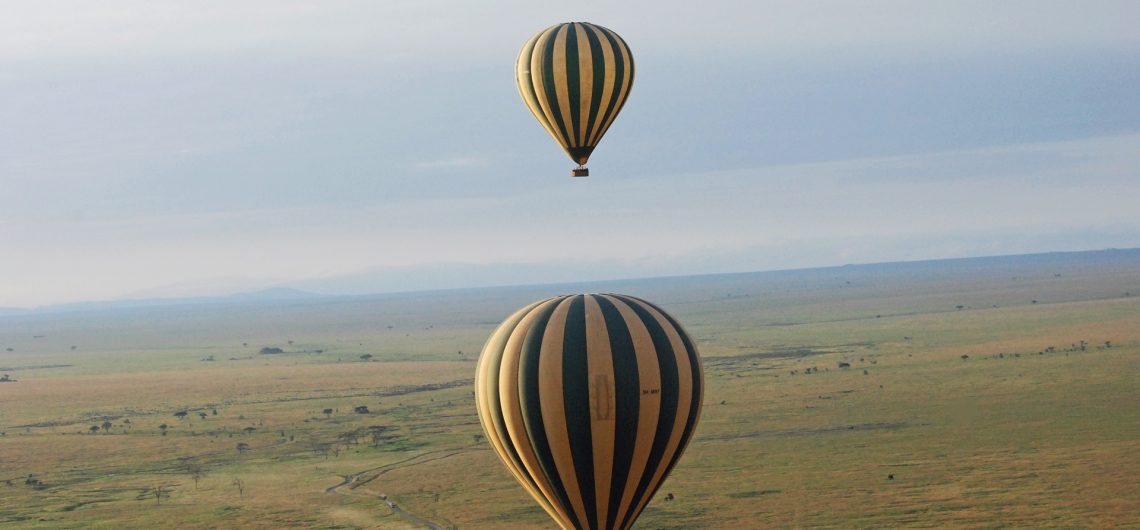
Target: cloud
{"x": 448, "y": 164}
{"x": 414, "y": 31}
{"x": 162, "y": 143}
{"x": 1037, "y": 197}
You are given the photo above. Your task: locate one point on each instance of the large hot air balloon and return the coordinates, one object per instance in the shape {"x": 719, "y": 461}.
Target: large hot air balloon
{"x": 590, "y": 400}
{"x": 575, "y": 77}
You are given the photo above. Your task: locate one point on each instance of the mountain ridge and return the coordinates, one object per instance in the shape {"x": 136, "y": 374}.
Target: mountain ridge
{"x": 284, "y": 293}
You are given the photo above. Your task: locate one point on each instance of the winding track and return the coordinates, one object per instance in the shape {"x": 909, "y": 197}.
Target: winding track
{"x": 354, "y": 481}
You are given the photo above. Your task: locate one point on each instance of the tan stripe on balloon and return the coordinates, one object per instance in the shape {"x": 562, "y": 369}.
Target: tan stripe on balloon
{"x": 553, "y": 404}
{"x": 488, "y": 361}
{"x": 585, "y": 83}
{"x": 536, "y": 74}
{"x": 561, "y": 85}
{"x": 526, "y": 84}
{"x": 522, "y": 73}
{"x": 512, "y": 409}
{"x": 649, "y": 408}
{"x": 684, "y": 399}
{"x": 626, "y": 82}
{"x": 600, "y": 367}
{"x": 607, "y": 86}
{"x": 697, "y": 373}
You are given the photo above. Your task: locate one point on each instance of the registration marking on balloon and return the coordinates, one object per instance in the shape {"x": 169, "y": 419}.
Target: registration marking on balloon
{"x": 602, "y": 399}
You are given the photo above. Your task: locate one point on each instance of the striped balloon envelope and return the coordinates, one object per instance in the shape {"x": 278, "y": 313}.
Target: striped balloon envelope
{"x": 589, "y": 401}
{"x": 575, "y": 78}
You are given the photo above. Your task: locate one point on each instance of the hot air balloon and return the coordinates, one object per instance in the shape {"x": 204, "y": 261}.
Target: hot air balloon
{"x": 575, "y": 78}
{"x": 589, "y": 401}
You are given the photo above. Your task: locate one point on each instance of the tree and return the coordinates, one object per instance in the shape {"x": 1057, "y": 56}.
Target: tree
{"x": 328, "y": 412}
{"x": 361, "y": 409}
{"x": 240, "y": 486}
{"x": 181, "y": 414}
{"x": 196, "y": 470}
{"x": 202, "y": 415}
{"x": 163, "y": 428}
{"x": 366, "y": 357}
{"x": 106, "y": 427}
{"x": 377, "y": 432}
{"x": 94, "y": 429}
{"x": 242, "y": 447}
{"x": 158, "y": 492}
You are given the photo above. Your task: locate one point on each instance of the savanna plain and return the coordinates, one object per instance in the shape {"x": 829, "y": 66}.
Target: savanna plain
{"x": 975, "y": 393}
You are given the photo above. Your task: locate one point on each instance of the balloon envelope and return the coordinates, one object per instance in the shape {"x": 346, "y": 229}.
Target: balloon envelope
{"x": 575, "y": 78}
{"x": 589, "y": 400}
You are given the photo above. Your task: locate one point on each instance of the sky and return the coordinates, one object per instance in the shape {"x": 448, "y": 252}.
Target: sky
{"x": 161, "y": 148}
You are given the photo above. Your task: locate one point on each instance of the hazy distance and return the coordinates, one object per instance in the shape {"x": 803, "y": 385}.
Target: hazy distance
{"x": 162, "y": 149}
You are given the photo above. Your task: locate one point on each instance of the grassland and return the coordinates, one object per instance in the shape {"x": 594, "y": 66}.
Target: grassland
{"x": 970, "y": 402}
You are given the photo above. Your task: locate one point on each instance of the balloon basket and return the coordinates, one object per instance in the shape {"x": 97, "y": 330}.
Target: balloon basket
{"x": 579, "y": 172}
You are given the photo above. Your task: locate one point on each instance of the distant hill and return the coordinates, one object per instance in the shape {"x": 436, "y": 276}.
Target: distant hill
{"x": 274, "y": 294}
{"x": 1042, "y": 264}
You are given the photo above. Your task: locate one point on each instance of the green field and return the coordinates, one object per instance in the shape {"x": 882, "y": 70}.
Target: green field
{"x": 997, "y": 392}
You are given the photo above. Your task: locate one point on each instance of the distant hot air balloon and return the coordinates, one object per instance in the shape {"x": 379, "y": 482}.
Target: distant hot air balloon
{"x": 590, "y": 400}
{"x": 575, "y": 77}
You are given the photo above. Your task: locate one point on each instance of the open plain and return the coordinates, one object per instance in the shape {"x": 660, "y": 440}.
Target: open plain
{"x": 974, "y": 393}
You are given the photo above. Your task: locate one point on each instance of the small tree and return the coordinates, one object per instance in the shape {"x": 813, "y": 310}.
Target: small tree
{"x": 163, "y": 428}
{"x": 196, "y": 470}
{"x": 242, "y": 447}
{"x": 107, "y": 427}
{"x": 322, "y": 449}
{"x": 366, "y": 357}
{"x": 328, "y": 412}
{"x": 240, "y": 484}
{"x": 94, "y": 429}
{"x": 377, "y": 433}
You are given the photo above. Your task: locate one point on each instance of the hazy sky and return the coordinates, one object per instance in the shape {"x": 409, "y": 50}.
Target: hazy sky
{"x": 153, "y": 148}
